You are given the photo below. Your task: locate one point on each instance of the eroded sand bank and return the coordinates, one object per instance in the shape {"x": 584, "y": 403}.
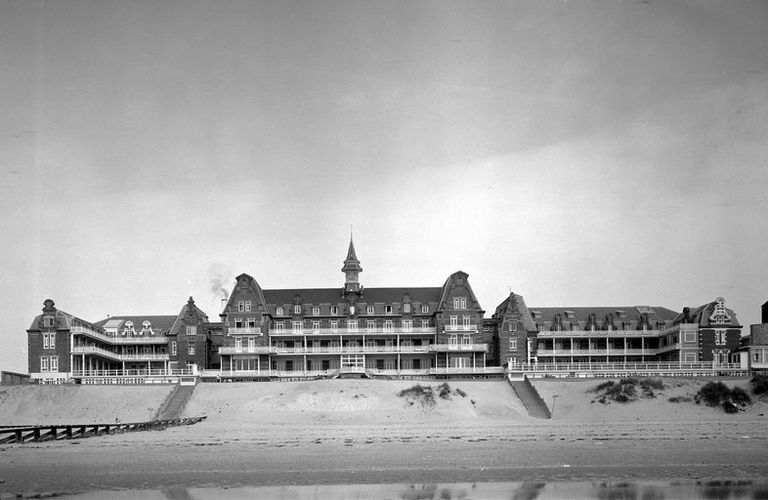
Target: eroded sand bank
{"x": 360, "y": 431}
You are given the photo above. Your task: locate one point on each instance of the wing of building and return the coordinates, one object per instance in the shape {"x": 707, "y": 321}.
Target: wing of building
{"x": 351, "y": 330}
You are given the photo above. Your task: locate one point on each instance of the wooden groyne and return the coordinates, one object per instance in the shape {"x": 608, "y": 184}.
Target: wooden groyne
{"x": 37, "y": 433}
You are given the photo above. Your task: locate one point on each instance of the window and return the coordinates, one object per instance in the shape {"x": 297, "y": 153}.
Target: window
{"x": 241, "y": 306}
{"x": 388, "y": 325}
{"x": 48, "y": 321}
{"x": 128, "y": 330}
{"x": 370, "y": 324}
{"x": 406, "y": 307}
{"x": 248, "y": 306}
{"x": 191, "y": 350}
{"x": 279, "y": 326}
{"x": 513, "y": 325}
{"x": 279, "y": 311}
{"x": 512, "y": 344}
{"x": 455, "y": 302}
{"x": 689, "y": 337}
{"x": 251, "y": 322}
{"x": 146, "y": 328}
{"x": 369, "y": 309}
{"x": 465, "y": 320}
{"x": 334, "y": 326}
{"x": 388, "y": 309}
{"x": 720, "y": 336}
{"x": 173, "y": 348}
{"x": 407, "y": 325}
{"x": 315, "y": 311}
{"x": 316, "y": 326}
{"x": 44, "y": 364}
{"x": 191, "y": 330}
{"x": 49, "y": 341}
{"x": 297, "y": 309}
{"x": 334, "y": 310}
{"x": 352, "y": 325}
{"x": 54, "y": 363}
{"x": 462, "y": 303}
{"x": 238, "y": 343}
{"x": 424, "y": 324}
{"x": 424, "y": 309}
{"x": 690, "y": 357}
{"x": 251, "y": 343}
{"x": 297, "y": 326}
{"x": 238, "y": 322}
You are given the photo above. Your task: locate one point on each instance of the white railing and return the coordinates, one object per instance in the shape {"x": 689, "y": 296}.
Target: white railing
{"x": 598, "y": 333}
{"x": 244, "y": 330}
{"x": 349, "y": 349}
{"x": 245, "y": 350}
{"x": 451, "y": 370}
{"x": 461, "y": 328}
{"x": 673, "y": 366}
{"x": 458, "y": 347}
{"x": 120, "y": 339}
{"x": 92, "y": 349}
{"x": 361, "y": 330}
{"x": 618, "y": 351}
{"x": 134, "y": 373}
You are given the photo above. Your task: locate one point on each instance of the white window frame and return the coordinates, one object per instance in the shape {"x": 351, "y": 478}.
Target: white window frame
{"x": 424, "y": 308}
{"x": 389, "y": 325}
{"x": 54, "y": 366}
{"x": 454, "y": 321}
{"x": 316, "y": 327}
{"x": 406, "y": 307}
{"x": 43, "y": 363}
{"x": 297, "y": 309}
{"x": 720, "y": 336}
{"x": 241, "y": 306}
{"x": 297, "y": 326}
{"x": 334, "y": 326}
{"x": 690, "y": 337}
{"x": 334, "y": 310}
{"x": 238, "y": 343}
{"x": 462, "y": 302}
{"x": 369, "y": 310}
{"x": 192, "y": 330}
{"x": 352, "y": 325}
{"x": 315, "y": 311}
{"x": 247, "y": 306}
{"x": 466, "y": 321}
{"x": 407, "y": 325}
{"x": 191, "y": 350}
{"x": 251, "y": 343}
{"x": 689, "y": 357}
{"x": 251, "y": 322}
{"x": 387, "y": 309}
{"x": 49, "y": 321}
{"x": 279, "y": 326}
{"x": 512, "y": 344}
{"x": 279, "y": 311}
{"x": 425, "y": 324}
{"x": 173, "y": 348}
{"x": 455, "y": 302}
{"x": 370, "y": 325}
{"x": 513, "y": 325}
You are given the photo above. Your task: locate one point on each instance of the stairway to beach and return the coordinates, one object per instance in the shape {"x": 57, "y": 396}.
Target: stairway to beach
{"x": 534, "y": 405}
{"x": 175, "y": 402}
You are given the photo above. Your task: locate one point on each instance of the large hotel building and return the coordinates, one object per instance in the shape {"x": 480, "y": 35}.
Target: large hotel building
{"x": 355, "y": 331}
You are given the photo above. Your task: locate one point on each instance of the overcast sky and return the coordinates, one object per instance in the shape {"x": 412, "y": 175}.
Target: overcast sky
{"x": 580, "y": 152}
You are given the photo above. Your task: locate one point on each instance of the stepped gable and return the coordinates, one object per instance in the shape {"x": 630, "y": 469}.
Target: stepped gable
{"x": 703, "y": 315}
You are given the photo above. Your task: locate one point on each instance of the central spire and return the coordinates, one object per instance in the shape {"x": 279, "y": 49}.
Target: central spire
{"x": 351, "y": 270}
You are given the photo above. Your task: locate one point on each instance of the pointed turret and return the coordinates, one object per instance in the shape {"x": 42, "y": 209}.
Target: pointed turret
{"x": 351, "y": 270}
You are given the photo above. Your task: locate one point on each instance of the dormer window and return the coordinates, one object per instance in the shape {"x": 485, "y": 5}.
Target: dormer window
{"x": 406, "y": 307}
{"x": 621, "y": 314}
{"x": 536, "y": 314}
{"x": 424, "y": 309}
{"x": 48, "y": 321}
{"x": 570, "y": 314}
{"x": 315, "y": 311}
{"x": 146, "y": 328}
{"x": 369, "y": 309}
{"x": 191, "y": 330}
{"x": 279, "y": 311}
{"x": 720, "y": 315}
{"x": 388, "y": 309}
{"x": 334, "y": 310}
{"x": 297, "y": 309}
{"x": 129, "y": 330}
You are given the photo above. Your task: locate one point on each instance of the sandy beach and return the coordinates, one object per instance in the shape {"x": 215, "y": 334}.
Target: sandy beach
{"x": 361, "y": 431}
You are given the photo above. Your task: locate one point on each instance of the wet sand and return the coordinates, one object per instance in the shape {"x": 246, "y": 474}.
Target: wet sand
{"x": 276, "y": 434}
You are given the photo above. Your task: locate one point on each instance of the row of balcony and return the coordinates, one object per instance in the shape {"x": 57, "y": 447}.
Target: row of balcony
{"x": 352, "y": 369}
{"x": 417, "y": 330}
{"x": 599, "y": 333}
{"x": 629, "y": 367}
{"x": 371, "y": 349}
{"x": 119, "y": 339}
{"x": 618, "y": 351}
{"x": 138, "y": 356}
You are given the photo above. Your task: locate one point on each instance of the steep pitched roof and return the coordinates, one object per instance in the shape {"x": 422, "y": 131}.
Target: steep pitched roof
{"x": 632, "y": 313}
{"x": 160, "y": 323}
{"x": 334, "y": 295}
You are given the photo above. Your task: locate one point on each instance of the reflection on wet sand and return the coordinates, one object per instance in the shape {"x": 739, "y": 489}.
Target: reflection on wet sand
{"x": 714, "y": 489}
